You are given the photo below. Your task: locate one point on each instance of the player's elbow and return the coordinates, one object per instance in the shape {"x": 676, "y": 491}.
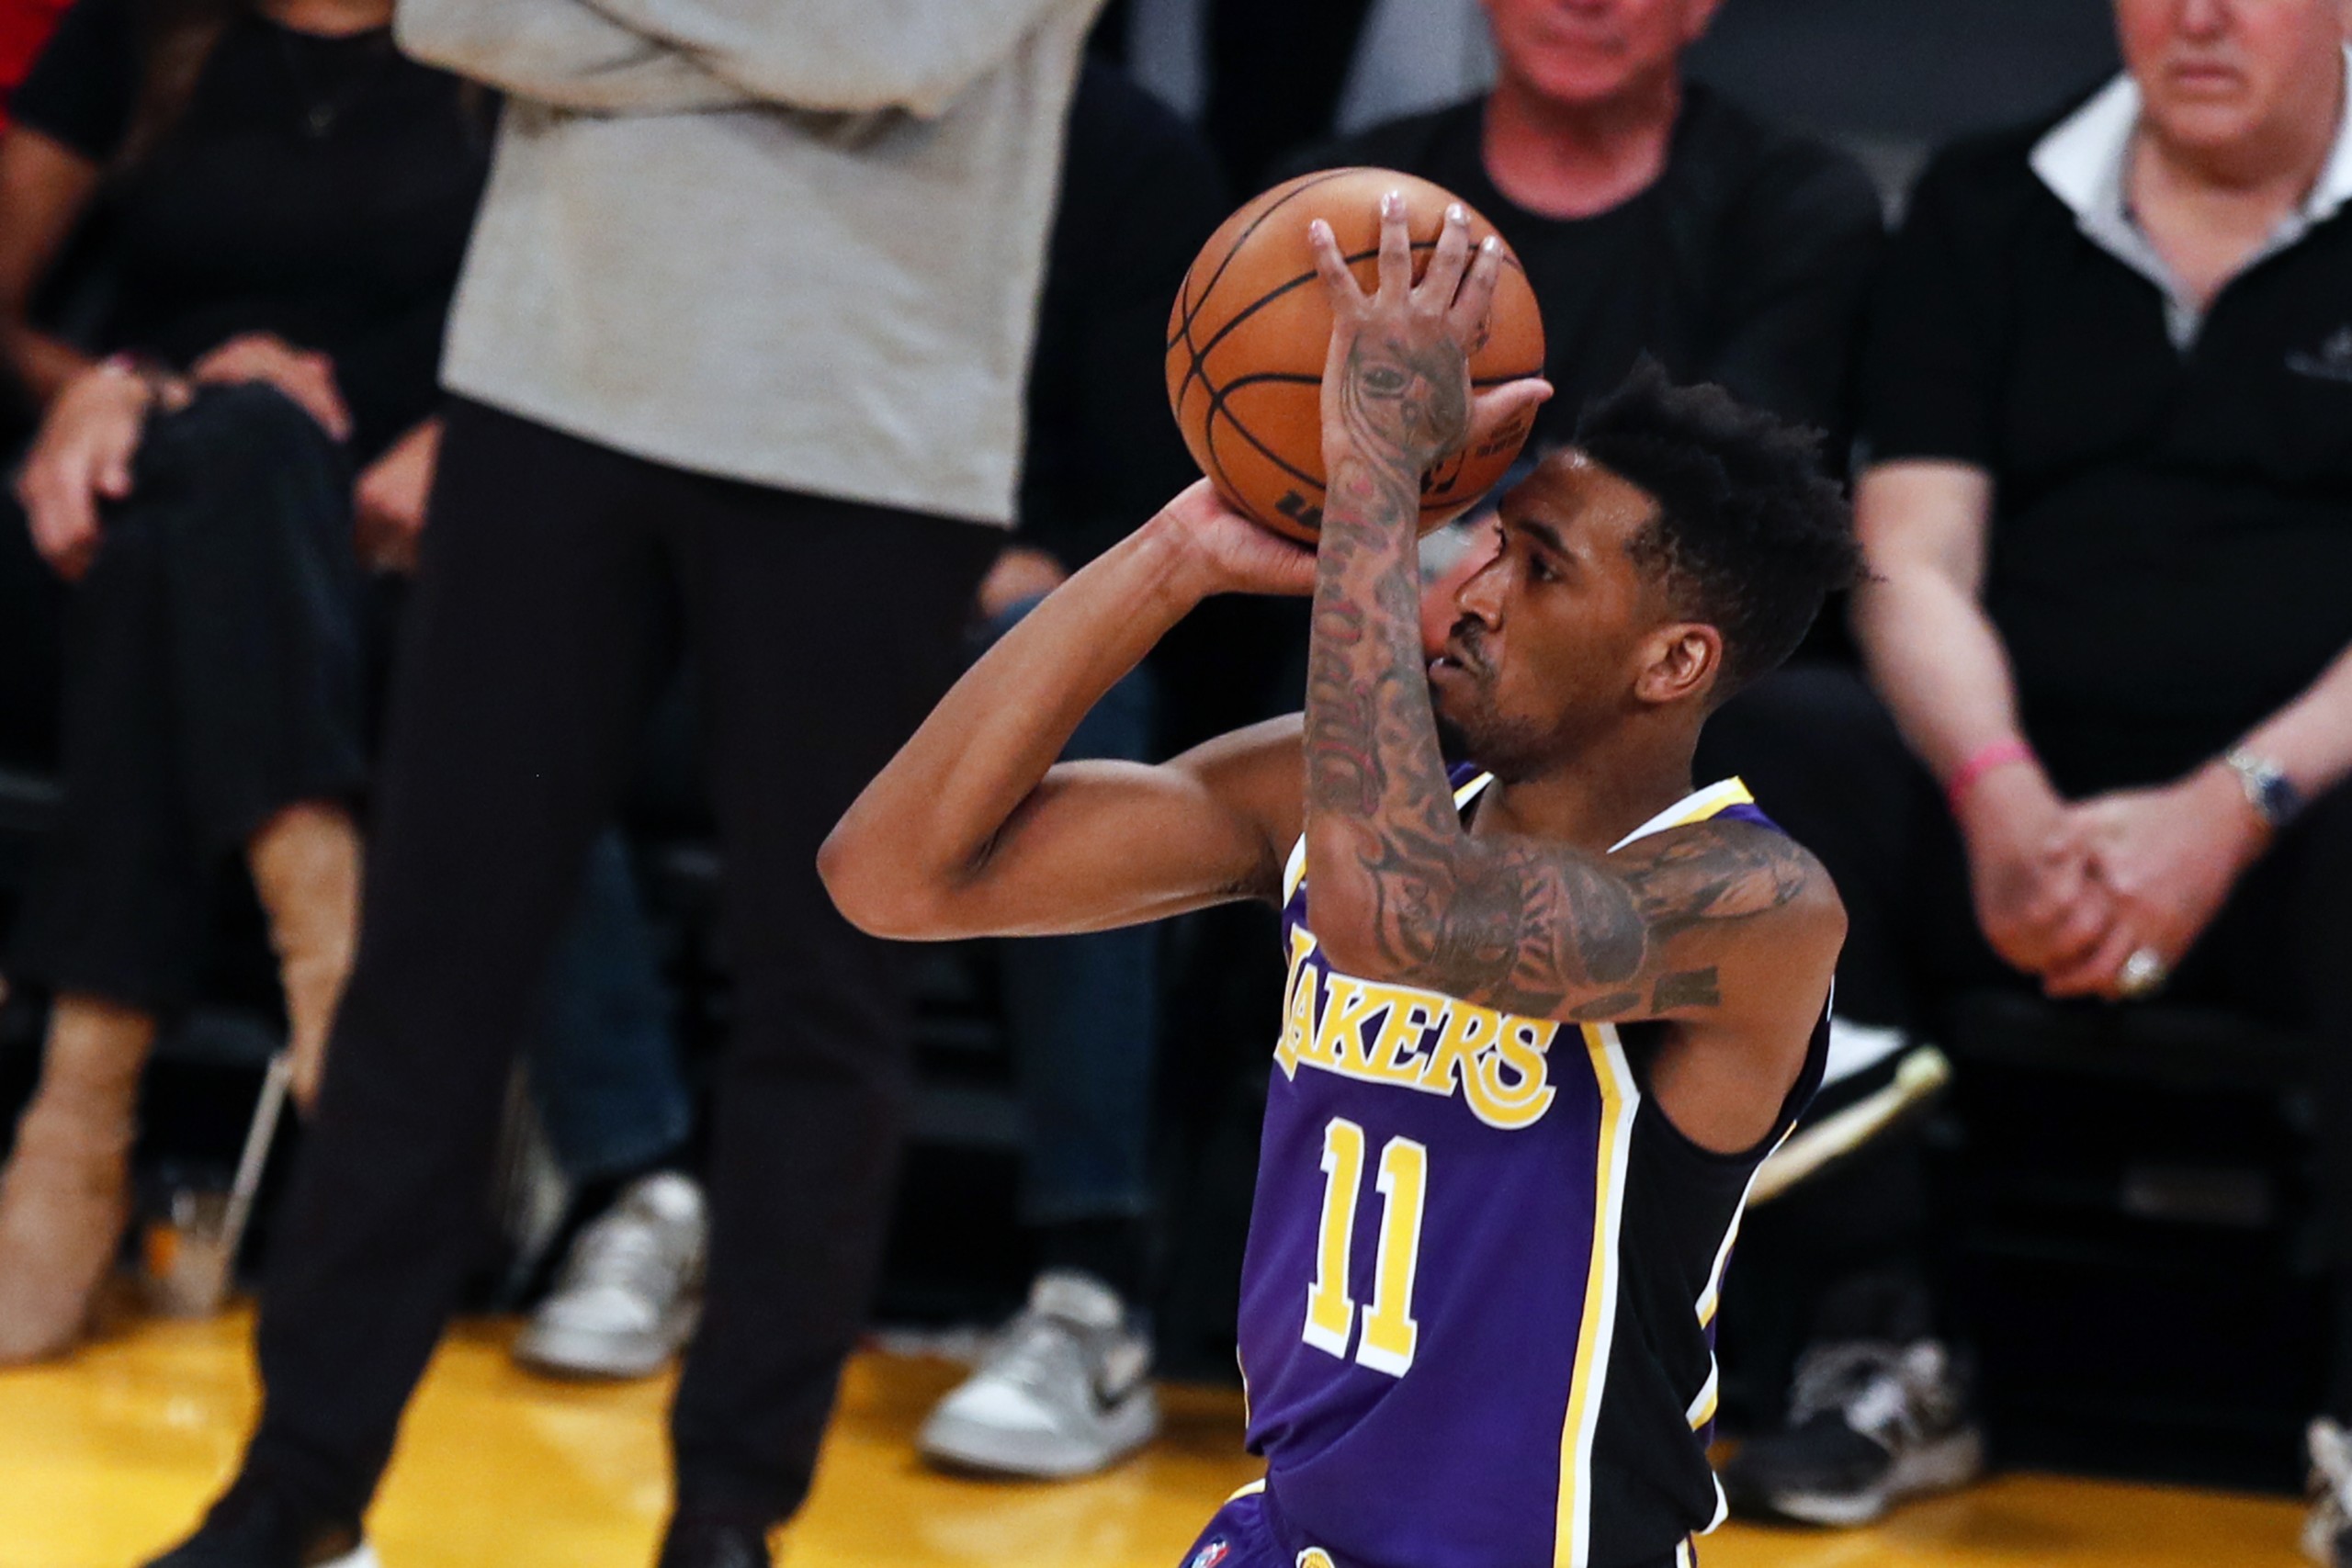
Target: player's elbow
{"x": 1345, "y": 912}
{"x": 870, "y": 888}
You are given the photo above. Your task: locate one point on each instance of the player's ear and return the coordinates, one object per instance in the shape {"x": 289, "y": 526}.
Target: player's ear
{"x": 1679, "y": 662}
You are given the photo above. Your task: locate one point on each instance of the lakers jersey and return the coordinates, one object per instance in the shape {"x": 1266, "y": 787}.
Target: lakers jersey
{"x": 1477, "y": 1311}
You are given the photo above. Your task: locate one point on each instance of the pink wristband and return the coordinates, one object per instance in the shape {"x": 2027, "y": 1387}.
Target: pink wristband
{"x": 1999, "y": 754}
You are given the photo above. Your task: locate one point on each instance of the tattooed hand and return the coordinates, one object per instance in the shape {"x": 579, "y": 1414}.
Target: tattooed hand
{"x": 1397, "y": 381}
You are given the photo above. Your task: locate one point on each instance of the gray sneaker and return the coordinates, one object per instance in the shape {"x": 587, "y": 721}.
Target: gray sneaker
{"x": 2327, "y": 1529}
{"x": 631, "y": 1291}
{"x": 1065, "y": 1392}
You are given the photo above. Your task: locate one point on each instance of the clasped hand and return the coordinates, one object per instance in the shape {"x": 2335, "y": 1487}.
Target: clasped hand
{"x": 2069, "y": 891}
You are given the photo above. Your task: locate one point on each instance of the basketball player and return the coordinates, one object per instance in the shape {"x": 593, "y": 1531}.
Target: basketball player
{"x": 1544, "y": 1016}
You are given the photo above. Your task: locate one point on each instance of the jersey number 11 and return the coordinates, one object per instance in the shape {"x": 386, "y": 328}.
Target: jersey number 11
{"x": 1389, "y": 1331}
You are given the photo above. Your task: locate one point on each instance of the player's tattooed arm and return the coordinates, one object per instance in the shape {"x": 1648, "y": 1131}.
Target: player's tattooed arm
{"x": 1534, "y": 928}
{"x": 1547, "y": 931}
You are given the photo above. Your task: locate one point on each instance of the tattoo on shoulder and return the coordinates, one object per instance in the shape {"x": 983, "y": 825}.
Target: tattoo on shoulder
{"x": 1530, "y": 931}
{"x": 1689, "y": 988}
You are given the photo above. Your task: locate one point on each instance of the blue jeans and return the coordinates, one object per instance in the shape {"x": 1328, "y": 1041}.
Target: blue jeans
{"x": 1083, "y": 1013}
{"x": 604, "y": 1062}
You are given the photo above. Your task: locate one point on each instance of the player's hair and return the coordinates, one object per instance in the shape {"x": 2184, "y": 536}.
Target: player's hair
{"x": 1751, "y": 534}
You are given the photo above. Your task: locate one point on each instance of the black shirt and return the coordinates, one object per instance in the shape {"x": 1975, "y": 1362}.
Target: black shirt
{"x": 1745, "y": 263}
{"x": 320, "y": 188}
{"x": 2171, "y": 552}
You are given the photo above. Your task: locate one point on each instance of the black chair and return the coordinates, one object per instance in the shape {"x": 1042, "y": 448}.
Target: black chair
{"x": 2132, "y": 1239}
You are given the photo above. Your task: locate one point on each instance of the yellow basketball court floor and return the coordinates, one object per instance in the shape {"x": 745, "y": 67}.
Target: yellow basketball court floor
{"x": 107, "y": 1458}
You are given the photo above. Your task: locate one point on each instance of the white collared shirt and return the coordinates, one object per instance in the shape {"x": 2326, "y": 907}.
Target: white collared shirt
{"x": 2085, "y": 160}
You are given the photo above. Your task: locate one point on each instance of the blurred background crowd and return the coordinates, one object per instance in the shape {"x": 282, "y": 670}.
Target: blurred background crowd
{"x": 494, "y": 477}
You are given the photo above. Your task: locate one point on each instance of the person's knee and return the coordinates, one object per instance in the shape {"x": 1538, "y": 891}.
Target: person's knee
{"x": 232, "y": 434}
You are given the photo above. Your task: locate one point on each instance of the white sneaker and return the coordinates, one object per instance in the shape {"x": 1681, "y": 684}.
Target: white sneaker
{"x": 1870, "y": 1425}
{"x": 1066, "y": 1391}
{"x": 631, "y": 1291}
{"x": 2327, "y": 1529}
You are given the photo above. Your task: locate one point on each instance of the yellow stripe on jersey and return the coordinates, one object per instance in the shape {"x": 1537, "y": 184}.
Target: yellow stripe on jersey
{"x": 1572, "y": 1538}
{"x": 1702, "y": 1409}
{"x": 1621, "y": 1100}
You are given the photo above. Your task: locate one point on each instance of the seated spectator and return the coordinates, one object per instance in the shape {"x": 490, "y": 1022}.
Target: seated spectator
{"x": 1066, "y": 1390}
{"x": 2108, "y": 501}
{"x": 290, "y": 199}
{"x": 1653, "y": 215}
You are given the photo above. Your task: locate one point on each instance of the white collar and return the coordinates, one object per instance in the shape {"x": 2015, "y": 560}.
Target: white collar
{"x": 2083, "y": 159}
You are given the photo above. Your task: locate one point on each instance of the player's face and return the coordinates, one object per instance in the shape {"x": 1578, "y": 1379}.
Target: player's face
{"x": 2218, "y": 74}
{"x": 1589, "y": 51}
{"x": 1549, "y": 637}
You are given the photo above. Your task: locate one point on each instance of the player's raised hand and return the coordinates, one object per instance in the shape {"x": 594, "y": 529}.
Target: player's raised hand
{"x": 1397, "y": 381}
{"x": 1226, "y": 552}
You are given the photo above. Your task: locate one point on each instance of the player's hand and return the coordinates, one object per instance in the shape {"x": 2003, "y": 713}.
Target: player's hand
{"x": 304, "y": 375}
{"x": 2038, "y": 901}
{"x": 1223, "y": 552}
{"x": 1397, "y": 380}
{"x": 2171, "y": 857}
{"x": 82, "y": 458}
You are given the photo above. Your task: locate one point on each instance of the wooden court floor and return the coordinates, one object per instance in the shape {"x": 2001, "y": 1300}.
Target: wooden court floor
{"x": 107, "y": 1458}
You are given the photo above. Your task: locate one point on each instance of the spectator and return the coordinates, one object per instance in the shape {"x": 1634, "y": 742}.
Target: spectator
{"x": 1066, "y": 1389}
{"x": 2110, "y": 464}
{"x": 1653, "y": 215}
{"x": 291, "y": 200}
{"x": 740, "y": 343}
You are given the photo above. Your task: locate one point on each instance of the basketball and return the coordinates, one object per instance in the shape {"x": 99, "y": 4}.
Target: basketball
{"x": 1250, "y": 328}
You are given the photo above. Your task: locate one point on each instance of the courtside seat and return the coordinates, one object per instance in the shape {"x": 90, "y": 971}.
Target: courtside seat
{"x": 2132, "y": 1240}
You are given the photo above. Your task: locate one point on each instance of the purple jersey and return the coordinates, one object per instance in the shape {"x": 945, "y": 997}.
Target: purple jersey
{"x": 1477, "y": 1309}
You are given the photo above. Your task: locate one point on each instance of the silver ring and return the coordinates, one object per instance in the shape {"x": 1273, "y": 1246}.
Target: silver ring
{"x": 2144, "y": 973}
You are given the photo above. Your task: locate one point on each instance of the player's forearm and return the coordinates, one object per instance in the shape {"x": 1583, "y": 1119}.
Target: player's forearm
{"x": 1379, "y": 807}
{"x": 924, "y": 827}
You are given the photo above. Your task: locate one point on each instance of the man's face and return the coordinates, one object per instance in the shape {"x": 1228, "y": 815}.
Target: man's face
{"x": 1589, "y": 51}
{"x": 2212, "y": 72}
{"x": 1550, "y": 634}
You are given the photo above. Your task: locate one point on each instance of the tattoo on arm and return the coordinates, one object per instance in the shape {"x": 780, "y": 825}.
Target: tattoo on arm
{"x": 1689, "y": 988}
{"x": 1530, "y": 929}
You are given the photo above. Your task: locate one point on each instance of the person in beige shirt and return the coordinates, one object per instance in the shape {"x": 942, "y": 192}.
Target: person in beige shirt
{"x": 737, "y": 361}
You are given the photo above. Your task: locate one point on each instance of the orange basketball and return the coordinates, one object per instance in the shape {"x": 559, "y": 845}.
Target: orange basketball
{"x": 1246, "y": 340}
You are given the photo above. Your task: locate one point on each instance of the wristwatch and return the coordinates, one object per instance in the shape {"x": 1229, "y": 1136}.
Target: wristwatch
{"x": 2267, "y": 788}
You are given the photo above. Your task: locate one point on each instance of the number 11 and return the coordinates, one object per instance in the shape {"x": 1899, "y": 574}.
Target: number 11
{"x": 1390, "y": 1333}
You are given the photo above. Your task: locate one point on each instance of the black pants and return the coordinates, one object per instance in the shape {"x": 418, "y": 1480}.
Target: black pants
{"x": 213, "y": 675}
{"x": 1827, "y": 761}
{"x": 555, "y": 578}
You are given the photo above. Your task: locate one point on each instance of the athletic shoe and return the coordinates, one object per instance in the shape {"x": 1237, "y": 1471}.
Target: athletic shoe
{"x": 1066, "y": 1391}
{"x": 631, "y": 1290}
{"x": 2327, "y": 1529}
{"x": 252, "y": 1527}
{"x": 696, "y": 1542}
{"x": 1870, "y": 1425}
